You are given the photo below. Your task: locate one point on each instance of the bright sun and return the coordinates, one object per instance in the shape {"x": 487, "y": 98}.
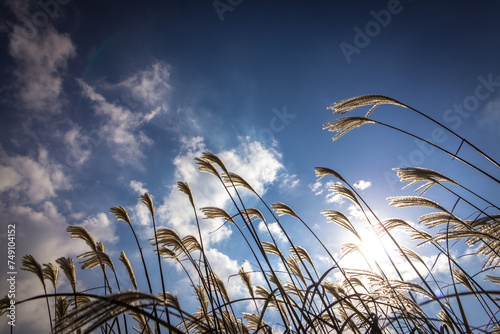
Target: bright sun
{"x": 372, "y": 252}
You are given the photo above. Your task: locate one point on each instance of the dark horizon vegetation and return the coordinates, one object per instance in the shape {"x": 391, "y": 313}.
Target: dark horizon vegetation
{"x": 371, "y": 295}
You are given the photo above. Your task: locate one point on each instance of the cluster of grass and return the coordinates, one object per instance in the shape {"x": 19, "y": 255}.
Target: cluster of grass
{"x": 301, "y": 298}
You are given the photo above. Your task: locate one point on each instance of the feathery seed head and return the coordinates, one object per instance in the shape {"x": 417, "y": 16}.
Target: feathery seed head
{"x": 343, "y": 125}
{"x": 283, "y": 209}
{"x": 121, "y": 214}
{"x": 31, "y": 265}
{"x": 123, "y": 258}
{"x": 346, "y": 105}
{"x": 323, "y": 171}
{"x": 68, "y": 266}
{"x": 186, "y": 189}
{"x": 50, "y": 273}
{"x": 148, "y": 201}
{"x": 80, "y": 232}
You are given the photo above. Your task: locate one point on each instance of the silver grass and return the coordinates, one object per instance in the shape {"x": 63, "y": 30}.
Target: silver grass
{"x": 62, "y": 306}
{"x": 462, "y": 278}
{"x": 419, "y": 174}
{"x": 219, "y": 286}
{"x": 170, "y": 238}
{"x": 144, "y": 327}
{"x": 389, "y": 224}
{"x": 148, "y": 201}
{"x": 170, "y": 299}
{"x": 447, "y": 321}
{"x": 233, "y": 178}
{"x": 254, "y": 325}
{"x": 214, "y": 213}
{"x": 340, "y": 219}
{"x": 410, "y": 287}
{"x": 190, "y": 244}
{"x": 247, "y": 281}
{"x": 101, "y": 310}
{"x": 294, "y": 290}
{"x": 206, "y": 166}
{"x": 348, "y": 322}
{"x": 123, "y": 258}
{"x": 167, "y": 253}
{"x": 412, "y": 255}
{"x": 345, "y": 192}
{"x": 50, "y": 273}
{"x": 4, "y": 305}
{"x": 68, "y": 267}
{"x": 252, "y": 214}
{"x": 30, "y": 264}
{"x": 324, "y": 171}
{"x": 271, "y": 248}
{"x": 283, "y": 209}
{"x": 202, "y": 298}
{"x": 263, "y": 293}
{"x": 94, "y": 259}
{"x": 301, "y": 254}
{"x": 80, "y": 232}
{"x": 293, "y": 265}
{"x": 186, "y": 189}
{"x": 343, "y": 125}
{"x": 121, "y": 214}
{"x": 439, "y": 218}
{"x": 494, "y": 279}
{"x": 348, "y": 248}
{"x": 215, "y": 159}
{"x": 346, "y": 105}
{"x": 81, "y": 300}
{"x": 409, "y": 201}
{"x": 334, "y": 289}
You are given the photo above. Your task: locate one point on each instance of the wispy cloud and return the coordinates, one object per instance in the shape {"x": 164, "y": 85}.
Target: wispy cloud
{"x": 40, "y": 67}
{"x": 490, "y": 116}
{"x": 288, "y": 181}
{"x": 121, "y": 128}
{"x": 318, "y": 188}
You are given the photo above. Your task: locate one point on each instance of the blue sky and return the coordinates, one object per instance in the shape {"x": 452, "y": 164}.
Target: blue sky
{"x": 103, "y": 101}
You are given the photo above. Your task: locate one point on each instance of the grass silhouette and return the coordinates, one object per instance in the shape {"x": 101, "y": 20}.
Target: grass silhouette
{"x": 371, "y": 300}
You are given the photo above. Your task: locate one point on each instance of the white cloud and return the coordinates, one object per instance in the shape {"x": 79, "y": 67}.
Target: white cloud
{"x": 40, "y": 65}
{"x": 31, "y": 179}
{"x": 101, "y": 228}
{"x": 138, "y": 187}
{"x": 275, "y": 230}
{"x": 362, "y": 184}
